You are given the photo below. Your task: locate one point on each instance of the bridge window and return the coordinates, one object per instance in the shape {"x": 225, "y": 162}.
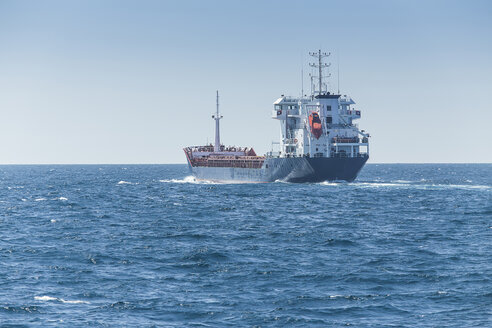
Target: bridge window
{"x": 328, "y": 119}
{"x": 328, "y": 108}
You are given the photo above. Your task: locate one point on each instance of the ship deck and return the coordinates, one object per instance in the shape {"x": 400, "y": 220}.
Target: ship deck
{"x": 252, "y": 162}
{"x": 233, "y": 159}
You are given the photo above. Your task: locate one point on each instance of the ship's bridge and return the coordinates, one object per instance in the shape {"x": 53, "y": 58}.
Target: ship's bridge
{"x": 346, "y": 109}
{"x": 284, "y": 106}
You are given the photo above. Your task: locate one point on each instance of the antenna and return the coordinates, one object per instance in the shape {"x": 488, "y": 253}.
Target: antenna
{"x": 217, "y": 118}
{"x": 311, "y": 83}
{"x": 338, "y": 72}
{"x": 302, "y": 82}
{"x": 320, "y": 65}
{"x": 302, "y": 76}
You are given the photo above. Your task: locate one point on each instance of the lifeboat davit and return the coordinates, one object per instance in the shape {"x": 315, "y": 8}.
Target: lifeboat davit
{"x": 315, "y": 124}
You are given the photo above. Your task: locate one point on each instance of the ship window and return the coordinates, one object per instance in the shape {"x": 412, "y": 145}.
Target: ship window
{"x": 328, "y": 107}
{"x": 328, "y": 119}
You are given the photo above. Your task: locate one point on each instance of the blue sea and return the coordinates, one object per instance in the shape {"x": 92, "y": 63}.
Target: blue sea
{"x": 147, "y": 246}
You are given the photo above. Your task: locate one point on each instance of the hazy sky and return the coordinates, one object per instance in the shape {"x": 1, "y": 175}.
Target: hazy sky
{"x": 134, "y": 81}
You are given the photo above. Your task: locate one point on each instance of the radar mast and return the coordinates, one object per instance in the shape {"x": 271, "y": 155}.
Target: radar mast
{"x": 320, "y": 66}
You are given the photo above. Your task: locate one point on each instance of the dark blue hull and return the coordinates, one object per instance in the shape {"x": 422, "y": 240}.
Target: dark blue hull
{"x": 294, "y": 169}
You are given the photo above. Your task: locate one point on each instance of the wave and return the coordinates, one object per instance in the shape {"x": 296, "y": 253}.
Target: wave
{"x": 45, "y": 298}
{"x": 467, "y": 186}
{"x": 17, "y": 309}
{"x": 439, "y": 185}
{"x": 193, "y": 180}
{"x": 123, "y": 182}
{"x": 188, "y": 179}
{"x": 407, "y": 184}
{"x": 382, "y": 184}
{"x": 50, "y": 298}
{"x": 403, "y": 181}
{"x": 362, "y": 184}
{"x": 339, "y": 242}
{"x": 74, "y": 301}
{"x": 333, "y": 183}
{"x": 15, "y": 187}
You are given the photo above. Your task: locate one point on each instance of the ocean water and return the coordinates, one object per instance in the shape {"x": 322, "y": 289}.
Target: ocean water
{"x": 147, "y": 246}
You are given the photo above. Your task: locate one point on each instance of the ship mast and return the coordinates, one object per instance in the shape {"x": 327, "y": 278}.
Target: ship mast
{"x": 217, "y": 118}
{"x": 320, "y": 65}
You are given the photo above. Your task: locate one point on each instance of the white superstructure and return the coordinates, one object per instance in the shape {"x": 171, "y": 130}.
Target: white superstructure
{"x": 334, "y": 135}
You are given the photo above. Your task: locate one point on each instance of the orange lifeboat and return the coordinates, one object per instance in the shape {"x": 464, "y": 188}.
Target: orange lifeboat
{"x": 315, "y": 124}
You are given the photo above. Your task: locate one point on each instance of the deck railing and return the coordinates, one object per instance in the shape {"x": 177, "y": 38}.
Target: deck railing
{"x": 339, "y": 154}
{"x": 252, "y": 162}
{"x": 345, "y": 140}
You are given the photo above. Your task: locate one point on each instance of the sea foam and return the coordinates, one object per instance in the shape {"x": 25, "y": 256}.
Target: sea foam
{"x": 123, "y": 182}
{"x": 50, "y": 298}
{"x": 188, "y": 179}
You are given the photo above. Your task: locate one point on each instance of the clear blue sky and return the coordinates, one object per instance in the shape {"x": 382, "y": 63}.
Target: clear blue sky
{"x": 134, "y": 81}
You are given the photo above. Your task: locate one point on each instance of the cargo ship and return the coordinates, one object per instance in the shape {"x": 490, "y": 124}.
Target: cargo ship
{"x": 319, "y": 141}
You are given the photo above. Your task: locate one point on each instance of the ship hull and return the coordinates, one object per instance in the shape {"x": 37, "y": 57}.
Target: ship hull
{"x": 294, "y": 169}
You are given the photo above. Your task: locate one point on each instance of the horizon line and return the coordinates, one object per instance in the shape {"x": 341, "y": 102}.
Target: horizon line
{"x": 376, "y": 163}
